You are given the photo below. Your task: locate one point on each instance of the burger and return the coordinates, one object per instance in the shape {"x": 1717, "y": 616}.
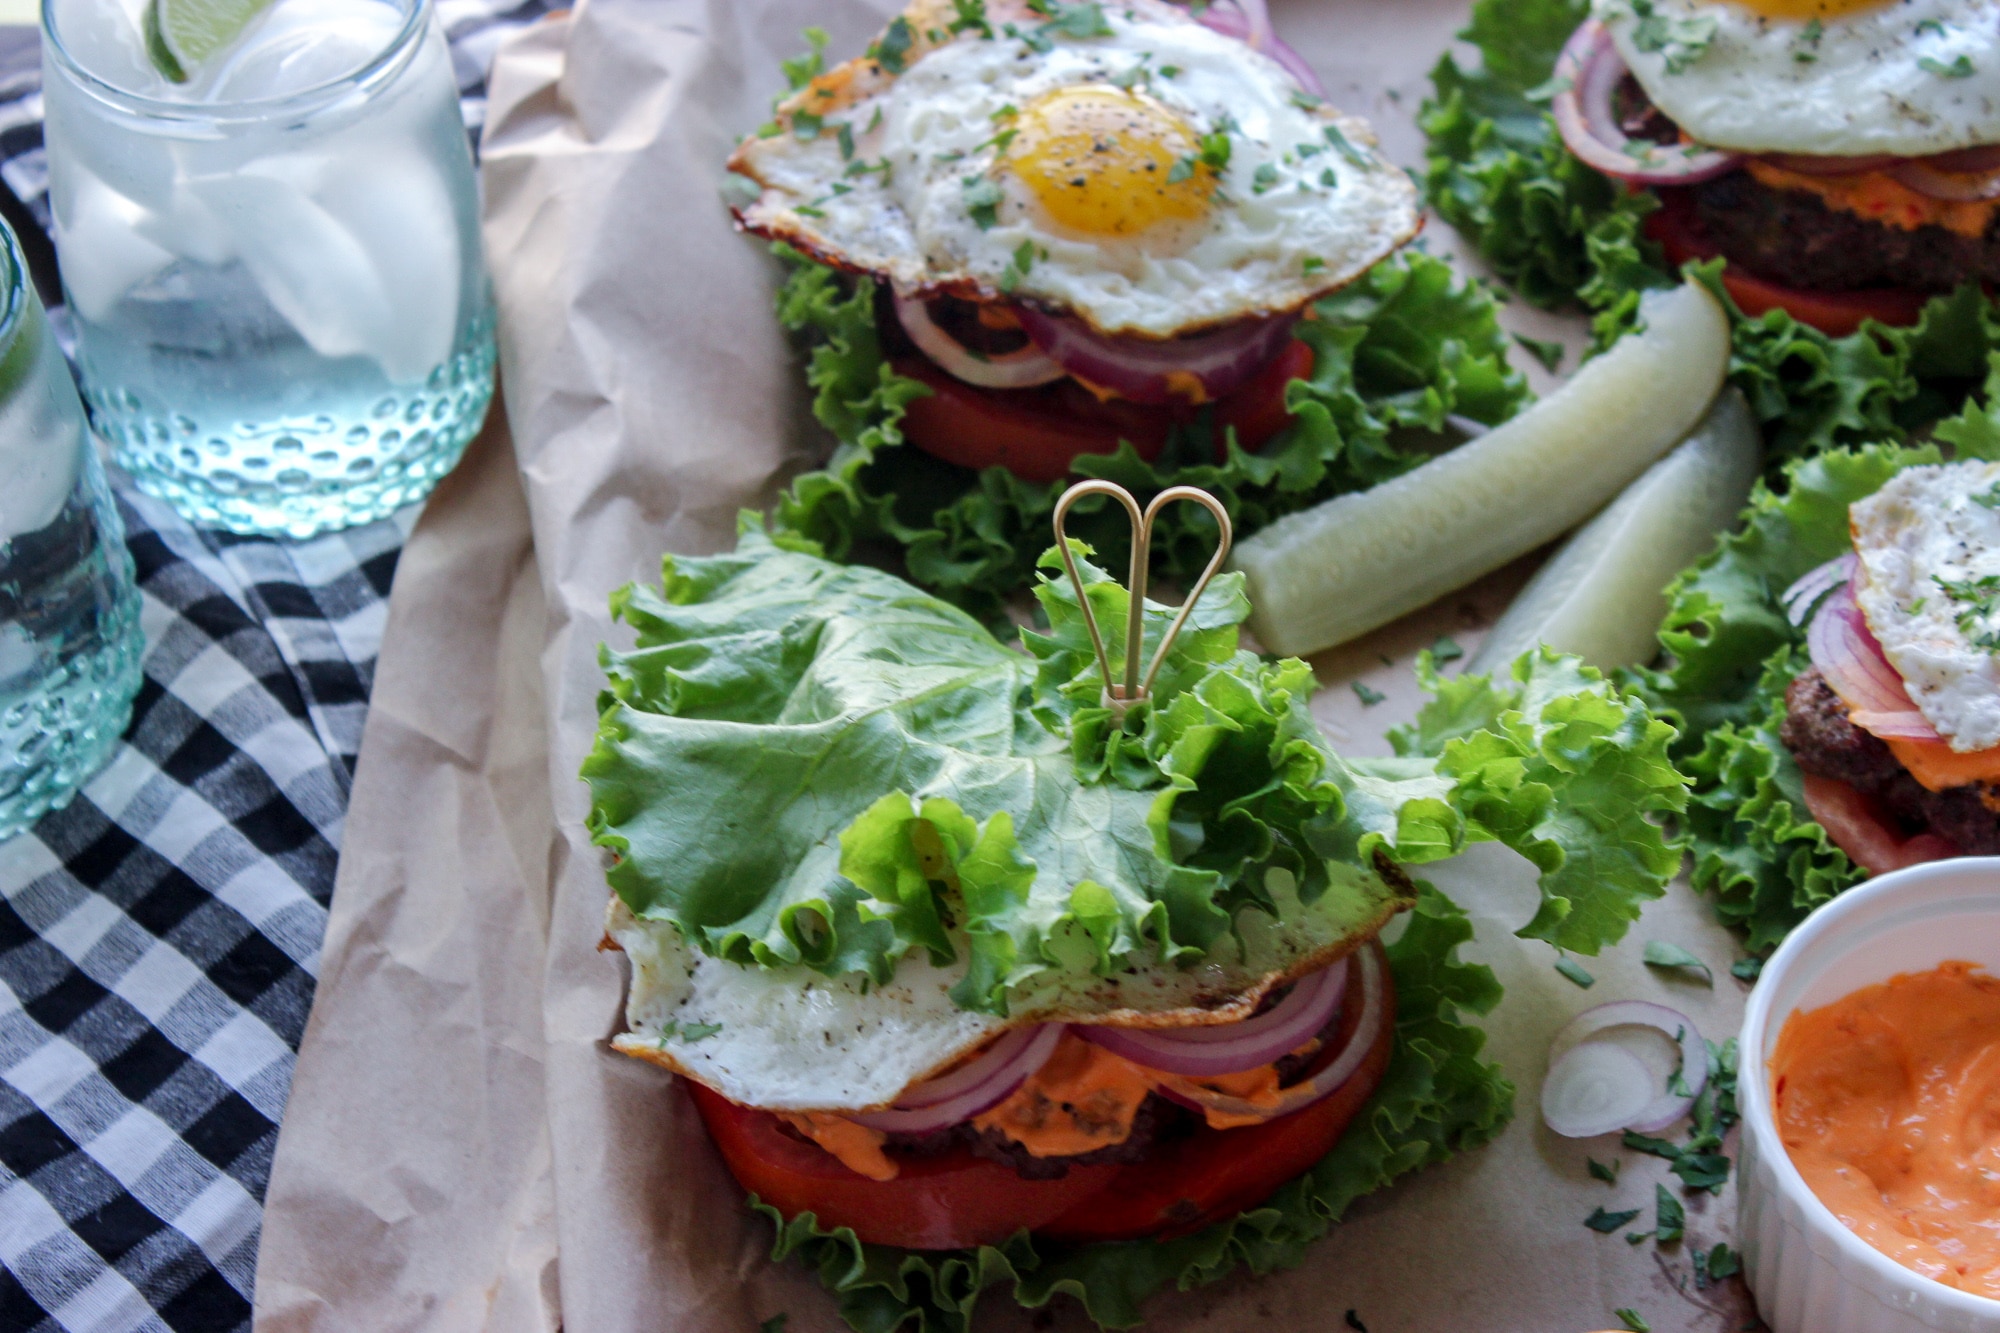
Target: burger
{"x": 1833, "y": 669}
{"x": 1842, "y": 155}
{"x": 1032, "y": 239}
{"x": 975, "y": 979}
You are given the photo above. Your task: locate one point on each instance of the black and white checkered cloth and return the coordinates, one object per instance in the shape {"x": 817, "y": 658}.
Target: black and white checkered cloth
{"x": 159, "y": 937}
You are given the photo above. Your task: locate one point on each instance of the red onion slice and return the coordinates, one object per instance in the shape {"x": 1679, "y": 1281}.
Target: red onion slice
{"x": 1374, "y": 1013}
{"x": 1800, "y": 599}
{"x": 1908, "y": 725}
{"x": 1165, "y": 371}
{"x": 1229, "y": 1048}
{"x": 1933, "y": 182}
{"x": 1020, "y": 369}
{"x": 1588, "y": 72}
{"x": 1595, "y": 1089}
{"x": 965, "y": 1092}
{"x": 1847, "y": 654}
{"x": 1249, "y": 21}
{"x": 1664, "y": 1106}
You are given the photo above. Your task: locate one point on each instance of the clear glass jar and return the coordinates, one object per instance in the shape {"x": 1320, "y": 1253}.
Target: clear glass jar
{"x": 283, "y": 323}
{"x": 70, "y": 644}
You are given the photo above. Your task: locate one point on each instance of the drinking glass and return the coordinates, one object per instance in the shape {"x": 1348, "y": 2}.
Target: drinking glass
{"x": 69, "y": 613}
{"x": 283, "y": 323}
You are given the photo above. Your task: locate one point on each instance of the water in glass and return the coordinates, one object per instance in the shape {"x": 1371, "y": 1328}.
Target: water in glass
{"x": 282, "y": 315}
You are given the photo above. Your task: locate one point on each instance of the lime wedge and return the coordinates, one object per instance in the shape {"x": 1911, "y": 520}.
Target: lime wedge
{"x": 181, "y": 34}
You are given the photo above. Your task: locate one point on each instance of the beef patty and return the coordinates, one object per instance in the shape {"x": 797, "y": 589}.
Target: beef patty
{"x": 1817, "y": 732}
{"x": 1790, "y": 236}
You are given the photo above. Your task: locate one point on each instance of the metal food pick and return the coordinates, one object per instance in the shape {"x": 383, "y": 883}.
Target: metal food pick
{"x": 1119, "y": 697}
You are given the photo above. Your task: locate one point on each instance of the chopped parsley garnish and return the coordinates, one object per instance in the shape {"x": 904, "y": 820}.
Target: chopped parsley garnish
{"x": 971, "y": 18}
{"x": 1633, "y": 1323}
{"x": 802, "y": 70}
{"x": 1574, "y": 971}
{"x": 700, "y": 1031}
{"x": 1747, "y": 969}
{"x": 1017, "y": 267}
{"x": 892, "y": 49}
{"x": 1368, "y": 696}
{"x": 1932, "y": 27}
{"x": 1305, "y": 101}
{"x": 1990, "y": 497}
{"x": 1170, "y": 71}
{"x": 1606, "y": 1223}
{"x": 806, "y": 126}
{"x": 1085, "y": 19}
{"x": 1807, "y": 49}
{"x": 1978, "y": 598}
{"x": 1312, "y": 264}
{"x": 1715, "y": 1265}
{"x": 1215, "y": 147}
{"x": 1330, "y": 179}
{"x": 1353, "y": 1321}
{"x": 1180, "y": 171}
{"x": 1599, "y": 1171}
{"x": 1680, "y": 42}
{"x": 1446, "y": 649}
{"x": 1550, "y": 354}
{"x": 1345, "y": 147}
{"x": 1661, "y": 954}
{"x": 775, "y": 1324}
{"x": 1637, "y": 1237}
{"x": 1544, "y": 93}
{"x": 1672, "y": 1217}
{"x": 1960, "y": 68}
{"x": 1263, "y": 179}
{"x": 846, "y": 136}
{"x": 982, "y": 200}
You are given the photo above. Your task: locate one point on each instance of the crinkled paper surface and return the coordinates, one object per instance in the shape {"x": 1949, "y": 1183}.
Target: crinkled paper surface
{"x": 462, "y": 1149}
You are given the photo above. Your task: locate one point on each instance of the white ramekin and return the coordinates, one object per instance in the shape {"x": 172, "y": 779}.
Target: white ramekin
{"x": 1811, "y": 1274}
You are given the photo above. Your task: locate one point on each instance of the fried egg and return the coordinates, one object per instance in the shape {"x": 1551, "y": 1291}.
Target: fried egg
{"x": 791, "y": 1039}
{"x": 1118, "y": 162}
{"x": 1841, "y": 78}
{"x": 1928, "y": 546}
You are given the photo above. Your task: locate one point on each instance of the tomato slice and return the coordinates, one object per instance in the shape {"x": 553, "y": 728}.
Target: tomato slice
{"x": 1038, "y": 433}
{"x": 1836, "y": 314}
{"x": 955, "y": 1200}
{"x": 945, "y": 1202}
{"x": 1219, "y": 1173}
{"x": 1854, "y": 824}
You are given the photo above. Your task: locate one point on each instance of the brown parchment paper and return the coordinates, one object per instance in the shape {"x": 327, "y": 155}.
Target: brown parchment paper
{"x": 462, "y": 1149}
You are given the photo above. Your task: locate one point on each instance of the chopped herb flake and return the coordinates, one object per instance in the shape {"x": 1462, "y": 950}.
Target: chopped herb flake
{"x": 1960, "y": 68}
{"x": 1672, "y": 1217}
{"x": 1312, "y": 264}
{"x": 1599, "y": 1171}
{"x": 1446, "y": 649}
{"x": 1632, "y": 1321}
{"x": 982, "y": 200}
{"x": 1353, "y": 1321}
{"x": 1606, "y": 1223}
{"x": 1571, "y": 969}
{"x": 1017, "y": 267}
{"x": 1263, "y": 179}
{"x": 802, "y": 70}
{"x": 1661, "y": 954}
{"x": 775, "y": 1324}
{"x": 806, "y": 126}
{"x": 892, "y": 50}
{"x": 971, "y": 18}
{"x": 1679, "y": 41}
{"x": 1345, "y": 147}
{"x": 1747, "y": 969}
{"x": 700, "y": 1031}
{"x": 1369, "y": 697}
{"x": 1550, "y": 354}
{"x": 846, "y": 137}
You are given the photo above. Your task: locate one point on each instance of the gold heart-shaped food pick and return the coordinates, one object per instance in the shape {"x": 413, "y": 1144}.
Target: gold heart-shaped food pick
{"x": 1119, "y": 697}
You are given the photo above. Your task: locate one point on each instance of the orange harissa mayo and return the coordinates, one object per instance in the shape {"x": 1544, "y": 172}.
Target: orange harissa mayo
{"x": 1889, "y": 1103}
{"x": 1083, "y": 1099}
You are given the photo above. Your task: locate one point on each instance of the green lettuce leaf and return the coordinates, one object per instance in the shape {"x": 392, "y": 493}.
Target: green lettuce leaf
{"x": 1566, "y": 769}
{"x": 1731, "y": 651}
{"x": 1395, "y": 353}
{"x": 1437, "y": 1098}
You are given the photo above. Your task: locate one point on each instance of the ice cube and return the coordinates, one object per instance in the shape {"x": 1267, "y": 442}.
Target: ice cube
{"x": 42, "y": 438}
{"x": 358, "y": 250}
{"x": 299, "y": 44}
{"x": 100, "y": 242}
{"x": 106, "y": 39}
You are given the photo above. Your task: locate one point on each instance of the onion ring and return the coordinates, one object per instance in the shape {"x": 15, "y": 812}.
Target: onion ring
{"x": 1198, "y": 368}
{"x": 1020, "y": 369}
{"x": 1666, "y": 1106}
{"x": 1230, "y": 1048}
{"x": 1588, "y": 72}
{"x": 965, "y": 1092}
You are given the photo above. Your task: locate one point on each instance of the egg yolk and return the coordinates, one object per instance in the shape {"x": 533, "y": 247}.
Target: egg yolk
{"x": 1807, "y": 9}
{"x": 1107, "y": 162}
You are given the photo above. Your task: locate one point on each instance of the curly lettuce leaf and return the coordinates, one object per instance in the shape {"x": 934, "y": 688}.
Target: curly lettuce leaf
{"x": 1731, "y": 651}
{"x": 1436, "y": 1099}
{"x": 1559, "y": 764}
{"x": 1395, "y": 353}
{"x": 803, "y": 762}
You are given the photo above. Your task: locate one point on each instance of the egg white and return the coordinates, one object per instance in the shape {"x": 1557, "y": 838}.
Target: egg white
{"x": 1923, "y": 526}
{"x": 1293, "y": 218}
{"x": 1878, "y": 81}
{"x": 791, "y": 1039}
